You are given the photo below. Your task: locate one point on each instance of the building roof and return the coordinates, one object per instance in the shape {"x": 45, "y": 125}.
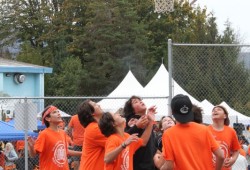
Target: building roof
{"x": 12, "y": 66}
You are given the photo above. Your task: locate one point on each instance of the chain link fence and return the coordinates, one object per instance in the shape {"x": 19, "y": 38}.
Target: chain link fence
{"x": 21, "y": 117}
{"x": 215, "y": 74}
{"x": 211, "y": 74}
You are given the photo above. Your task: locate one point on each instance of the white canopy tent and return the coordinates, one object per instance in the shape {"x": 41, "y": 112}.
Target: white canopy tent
{"x": 238, "y": 117}
{"x": 158, "y": 86}
{"x": 207, "y": 108}
{"x": 234, "y": 116}
{"x": 129, "y": 86}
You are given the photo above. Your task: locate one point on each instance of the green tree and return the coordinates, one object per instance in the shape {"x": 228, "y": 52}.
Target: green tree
{"x": 106, "y": 38}
{"x": 67, "y": 81}
{"x": 29, "y": 54}
{"x": 113, "y": 40}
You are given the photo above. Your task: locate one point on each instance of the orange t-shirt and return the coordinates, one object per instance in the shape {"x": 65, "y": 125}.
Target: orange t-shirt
{"x": 77, "y": 130}
{"x": 93, "y": 148}
{"x": 227, "y": 139}
{"x": 189, "y": 146}
{"x": 53, "y": 149}
{"x": 124, "y": 160}
{"x": 20, "y": 145}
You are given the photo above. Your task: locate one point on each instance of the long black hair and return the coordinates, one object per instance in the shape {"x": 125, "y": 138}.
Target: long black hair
{"x": 85, "y": 113}
{"x": 106, "y": 124}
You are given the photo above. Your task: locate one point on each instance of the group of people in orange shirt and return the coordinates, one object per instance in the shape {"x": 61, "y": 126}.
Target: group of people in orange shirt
{"x": 111, "y": 141}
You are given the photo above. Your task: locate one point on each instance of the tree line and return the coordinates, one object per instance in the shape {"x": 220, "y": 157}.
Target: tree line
{"x": 91, "y": 45}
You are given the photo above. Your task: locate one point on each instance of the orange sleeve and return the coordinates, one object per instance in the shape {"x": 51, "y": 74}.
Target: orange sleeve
{"x": 111, "y": 144}
{"x": 235, "y": 142}
{"x": 136, "y": 145}
{"x": 71, "y": 124}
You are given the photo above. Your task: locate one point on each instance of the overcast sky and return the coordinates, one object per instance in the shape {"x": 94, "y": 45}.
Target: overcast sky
{"x": 238, "y": 13}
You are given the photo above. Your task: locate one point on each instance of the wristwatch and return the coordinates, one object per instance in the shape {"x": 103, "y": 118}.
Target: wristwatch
{"x": 124, "y": 145}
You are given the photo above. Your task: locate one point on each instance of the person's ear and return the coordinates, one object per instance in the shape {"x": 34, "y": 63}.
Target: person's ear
{"x": 47, "y": 119}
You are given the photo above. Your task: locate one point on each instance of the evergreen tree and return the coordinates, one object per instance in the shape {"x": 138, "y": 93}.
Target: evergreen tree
{"x": 101, "y": 40}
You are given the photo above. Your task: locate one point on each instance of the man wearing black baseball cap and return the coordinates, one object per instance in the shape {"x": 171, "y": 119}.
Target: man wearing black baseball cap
{"x": 181, "y": 107}
{"x": 189, "y": 145}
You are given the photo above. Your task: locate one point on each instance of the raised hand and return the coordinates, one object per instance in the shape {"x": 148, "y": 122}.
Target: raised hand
{"x": 132, "y": 138}
{"x": 151, "y": 113}
{"x": 31, "y": 141}
{"x": 132, "y": 122}
{"x": 142, "y": 122}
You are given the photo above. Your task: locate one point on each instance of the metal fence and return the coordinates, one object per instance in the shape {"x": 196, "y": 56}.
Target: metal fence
{"x": 21, "y": 118}
{"x": 214, "y": 74}
{"x": 210, "y": 74}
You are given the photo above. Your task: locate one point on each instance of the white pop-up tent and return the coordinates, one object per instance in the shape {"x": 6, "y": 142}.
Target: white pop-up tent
{"x": 234, "y": 116}
{"x": 158, "y": 86}
{"x": 237, "y": 116}
{"x": 129, "y": 86}
{"x": 207, "y": 108}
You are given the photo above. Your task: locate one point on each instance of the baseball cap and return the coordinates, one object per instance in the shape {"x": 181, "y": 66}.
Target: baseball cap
{"x": 181, "y": 107}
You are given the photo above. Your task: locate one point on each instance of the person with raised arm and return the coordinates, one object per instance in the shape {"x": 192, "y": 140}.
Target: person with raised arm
{"x": 120, "y": 146}
{"x": 135, "y": 109}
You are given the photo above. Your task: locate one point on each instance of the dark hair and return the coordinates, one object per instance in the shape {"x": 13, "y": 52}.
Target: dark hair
{"x": 44, "y": 120}
{"x": 128, "y": 108}
{"x": 106, "y": 124}
{"x": 226, "y": 121}
{"x": 84, "y": 112}
{"x": 197, "y": 113}
{"x": 160, "y": 122}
